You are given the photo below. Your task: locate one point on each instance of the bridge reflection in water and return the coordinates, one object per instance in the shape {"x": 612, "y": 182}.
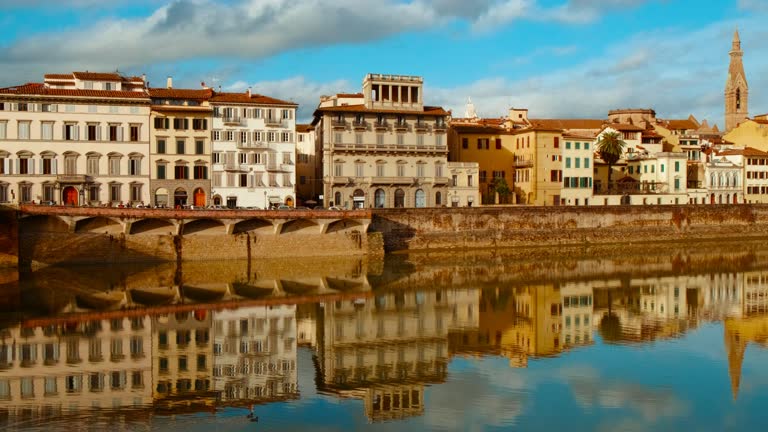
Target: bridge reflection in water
{"x": 142, "y": 343}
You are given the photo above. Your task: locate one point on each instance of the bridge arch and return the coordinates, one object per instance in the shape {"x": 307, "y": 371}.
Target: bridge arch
{"x": 204, "y": 227}
{"x": 253, "y": 225}
{"x": 300, "y": 225}
{"x": 343, "y": 226}
{"x": 43, "y": 223}
{"x": 98, "y": 224}
{"x": 153, "y": 226}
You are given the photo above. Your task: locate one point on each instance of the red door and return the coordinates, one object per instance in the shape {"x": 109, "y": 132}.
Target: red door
{"x": 199, "y": 197}
{"x": 70, "y": 196}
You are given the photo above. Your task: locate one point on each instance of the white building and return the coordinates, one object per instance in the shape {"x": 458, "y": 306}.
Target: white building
{"x": 80, "y": 138}
{"x": 724, "y": 177}
{"x": 578, "y": 170}
{"x": 463, "y": 190}
{"x": 254, "y": 150}
{"x": 255, "y": 354}
{"x": 309, "y": 167}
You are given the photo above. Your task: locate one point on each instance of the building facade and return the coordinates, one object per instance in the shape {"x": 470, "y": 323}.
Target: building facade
{"x": 384, "y": 147}
{"x": 180, "y": 147}
{"x": 736, "y": 88}
{"x": 578, "y": 170}
{"x": 309, "y": 174}
{"x": 254, "y": 150}
{"x": 75, "y": 139}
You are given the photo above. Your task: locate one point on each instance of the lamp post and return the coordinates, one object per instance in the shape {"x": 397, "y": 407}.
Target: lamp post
{"x": 82, "y": 196}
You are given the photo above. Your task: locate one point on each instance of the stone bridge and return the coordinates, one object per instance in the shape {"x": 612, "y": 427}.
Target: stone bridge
{"x": 135, "y": 221}
{"x": 64, "y": 234}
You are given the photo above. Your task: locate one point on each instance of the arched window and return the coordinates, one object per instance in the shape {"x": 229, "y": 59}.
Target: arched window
{"x": 738, "y": 98}
{"x": 421, "y": 199}
{"x": 438, "y": 197}
{"x": 379, "y": 198}
{"x": 337, "y": 199}
{"x": 399, "y": 198}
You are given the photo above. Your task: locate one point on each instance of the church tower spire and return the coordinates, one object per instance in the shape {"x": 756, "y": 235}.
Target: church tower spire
{"x": 736, "y": 88}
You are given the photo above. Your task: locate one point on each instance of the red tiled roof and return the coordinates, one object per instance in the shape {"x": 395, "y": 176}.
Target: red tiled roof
{"x": 428, "y": 110}
{"x": 624, "y": 127}
{"x": 97, "y": 76}
{"x": 39, "y": 89}
{"x": 760, "y": 121}
{"x": 243, "y": 98}
{"x": 303, "y": 128}
{"x": 747, "y": 151}
{"x": 165, "y": 93}
{"x": 185, "y": 108}
{"x": 480, "y": 129}
{"x": 681, "y": 124}
{"x": 349, "y": 95}
{"x": 567, "y": 123}
{"x": 59, "y": 76}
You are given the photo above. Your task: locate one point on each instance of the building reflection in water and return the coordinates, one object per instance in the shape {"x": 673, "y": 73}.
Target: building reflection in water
{"x": 381, "y": 345}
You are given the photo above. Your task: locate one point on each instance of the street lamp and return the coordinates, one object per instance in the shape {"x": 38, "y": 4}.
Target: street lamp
{"x": 82, "y": 196}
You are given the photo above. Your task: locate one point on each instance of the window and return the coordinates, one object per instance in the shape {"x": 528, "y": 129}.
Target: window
{"x": 557, "y": 142}
{"x": 483, "y": 176}
{"x": 338, "y": 169}
{"x": 216, "y": 135}
{"x": 380, "y": 169}
{"x": 181, "y": 172}
{"x": 586, "y": 162}
{"x": 134, "y": 166}
{"x": 577, "y": 162}
{"x": 92, "y": 132}
{"x": 114, "y": 165}
{"x": 498, "y": 143}
{"x": 161, "y": 146}
{"x": 199, "y": 124}
{"x": 161, "y": 171}
{"x": 200, "y": 172}
{"x": 465, "y": 143}
{"x": 336, "y": 137}
{"x": 47, "y": 165}
{"x": 135, "y": 129}
{"x": 567, "y": 162}
{"x": 359, "y": 169}
{"x": 438, "y": 140}
{"x": 567, "y": 145}
{"x": 71, "y": 132}
{"x": 400, "y": 139}
{"x": 24, "y": 130}
{"x": 677, "y": 166}
{"x": 161, "y": 122}
{"x": 181, "y": 123}
{"x": 114, "y": 192}
{"x": 46, "y": 130}
{"x": 586, "y": 146}
{"x": 438, "y": 170}
{"x": 70, "y": 164}
{"x": 401, "y": 170}
{"x": 470, "y": 183}
{"x": 3, "y": 129}
{"x": 180, "y": 147}
{"x": 380, "y": 139}
{"x": 25, "y": 165}
{"x": 115, "y": 132}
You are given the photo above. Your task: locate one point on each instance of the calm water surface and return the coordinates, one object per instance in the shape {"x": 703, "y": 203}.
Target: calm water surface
{"x": 641, "y": 338}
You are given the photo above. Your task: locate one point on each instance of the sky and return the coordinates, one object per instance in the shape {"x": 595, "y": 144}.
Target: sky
{"x": 558, "y": 58}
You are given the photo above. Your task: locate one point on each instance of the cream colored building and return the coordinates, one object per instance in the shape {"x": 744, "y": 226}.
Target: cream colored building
{"x": 577, "y": 303}
{"x": 180, "y": 146}
{"x": 309, "y": 169}
{"x": 182, "y": 359}
{"x": 578, "y": 170}
{"x": 463, "y": 189}
{"x": 384, "y": 147}
{"x": 68, "y": 368}
{"x": 255, "y": 354}
{"x": 254, "y": 150}
{"x": 79, "y": 138}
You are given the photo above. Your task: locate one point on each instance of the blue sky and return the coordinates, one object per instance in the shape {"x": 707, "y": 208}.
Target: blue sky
{"x": 558, "y": 58}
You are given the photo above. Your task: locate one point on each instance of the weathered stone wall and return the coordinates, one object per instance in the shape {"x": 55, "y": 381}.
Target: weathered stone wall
{"x": 41, "y": 247}
{"x": 468, "y": 228}
{"x": 9, "y": 240}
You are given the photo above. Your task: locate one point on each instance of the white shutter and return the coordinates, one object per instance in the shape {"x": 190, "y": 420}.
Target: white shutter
{"x": 54, "y": 166}
{"x": 18, "y": 165}
{"x": 31, "y": 165}
{"x": 7, "y": 166}
{"x": 120, "y": 133}
{"x": 76, "y": 134}
{"x": 98, "y": 133}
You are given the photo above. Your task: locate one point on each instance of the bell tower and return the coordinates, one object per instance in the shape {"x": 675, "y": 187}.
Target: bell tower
{"x": 736, "y": 88}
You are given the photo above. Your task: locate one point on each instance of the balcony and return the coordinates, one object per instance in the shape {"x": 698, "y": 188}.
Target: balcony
{"x": 523, "y": 163}
{"x": 232, "y": 120}
{"x": 440, "y": 127}
{"x": 392, "y": 180}
{"x": 73, "y": 178}
{"x": 381, "y": 125}
{"x": 338, "y": 124}
{"x": 277, "y": 123}
{"x": 441, "y": 181}
{"x": 286, "y": 167}
{"x": 360, "y": 125}
{"x": 339, "y": 180}
{"x": 394, "y": 148}
{"x": 401, "y": 126}
{"x": 421, "y": 127}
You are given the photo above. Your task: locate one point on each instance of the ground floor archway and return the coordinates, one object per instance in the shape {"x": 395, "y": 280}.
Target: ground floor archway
{"x": 358, "y": 199}
{"x": 199, "y": 197}
{"x": 69, "y": 195}
{"x": 179, "y": 197}
{"x": 289, "y": 201}
{"x": 161, "y": 197}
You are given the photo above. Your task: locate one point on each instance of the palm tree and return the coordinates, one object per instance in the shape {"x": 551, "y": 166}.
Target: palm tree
{"x": 610, "y": 148}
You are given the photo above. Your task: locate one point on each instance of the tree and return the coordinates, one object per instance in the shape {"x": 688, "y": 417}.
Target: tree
{"x": 610, "y": 147}
{"x": 501, "y": 187}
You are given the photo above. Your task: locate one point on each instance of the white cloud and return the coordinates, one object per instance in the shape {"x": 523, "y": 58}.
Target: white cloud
{"x": 753, "y": 5}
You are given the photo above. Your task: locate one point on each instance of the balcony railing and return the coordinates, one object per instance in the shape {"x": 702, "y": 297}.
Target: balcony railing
{"x": 232, "y": 120}
{"x": 632, "y": 188}
{"x": 401, "y": 126}
{"x": 381, "y": 125}
{"x": 360, "y": 125}
{"x": 440, "y": 127}
{"x": 442, "y": 180}
{"x": 273, "y": 122}
{"x": 338, "y": 124}
{"x": 421, "y": 127}
{"x": 73, "y": 178}
{"x": 523, "y": 163}
{"x": 391, "y": 147}
{"x": 391, "y": 180}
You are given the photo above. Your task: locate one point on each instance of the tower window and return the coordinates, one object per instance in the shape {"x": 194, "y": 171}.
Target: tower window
{"x": 738, "y": 99}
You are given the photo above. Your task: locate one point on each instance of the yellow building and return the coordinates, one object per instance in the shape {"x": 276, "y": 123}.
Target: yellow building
{"x": 750, "y": 133}
{"x": 538, "y": 165}
{"x": 489, "y": 144}
{"x": 738, "y": 333}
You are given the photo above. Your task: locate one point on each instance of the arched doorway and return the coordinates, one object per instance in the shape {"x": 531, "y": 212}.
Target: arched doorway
{"x": 161, "y": 197}
{"x": 421, "y": 199}
{"x": 735, "y": 199}
{"x": 289, "y": 201}
{"x": 438, "y": 199}
{"x": 358, "y": 199}
{"x": 199, "y": 197}
{"x": 337, "y": 199}
{"x": 179, "y": 197}
{"x": 69, "y": 196}
{"x": 379, "y": 198}
{"x": 399, "y": 198}
{"x": 712, "y": 199}
{"x": 217, "y": 200}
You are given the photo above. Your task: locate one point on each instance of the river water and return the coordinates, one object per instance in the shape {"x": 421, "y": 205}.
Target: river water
{"x": 642, "y": 337}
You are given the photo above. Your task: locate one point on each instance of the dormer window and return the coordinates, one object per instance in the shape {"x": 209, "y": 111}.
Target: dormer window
{"x": 109, "y": 86}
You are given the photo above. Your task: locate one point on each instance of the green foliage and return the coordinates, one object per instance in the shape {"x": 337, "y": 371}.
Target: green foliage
{"x": 610, "y": 147}
{"x": 501, "y": 187}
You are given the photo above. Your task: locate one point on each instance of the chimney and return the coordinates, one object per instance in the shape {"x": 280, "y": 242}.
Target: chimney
{"x": 144, "y": 80}
{"x": 249, "y": 92}
{"x": 202, "y": 84}
{"x": 169, "y": 82}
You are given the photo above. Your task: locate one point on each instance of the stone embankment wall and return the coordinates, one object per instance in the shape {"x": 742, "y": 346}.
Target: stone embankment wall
{"x": 9, "y": 238}
{"x": 500, "y": 227}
